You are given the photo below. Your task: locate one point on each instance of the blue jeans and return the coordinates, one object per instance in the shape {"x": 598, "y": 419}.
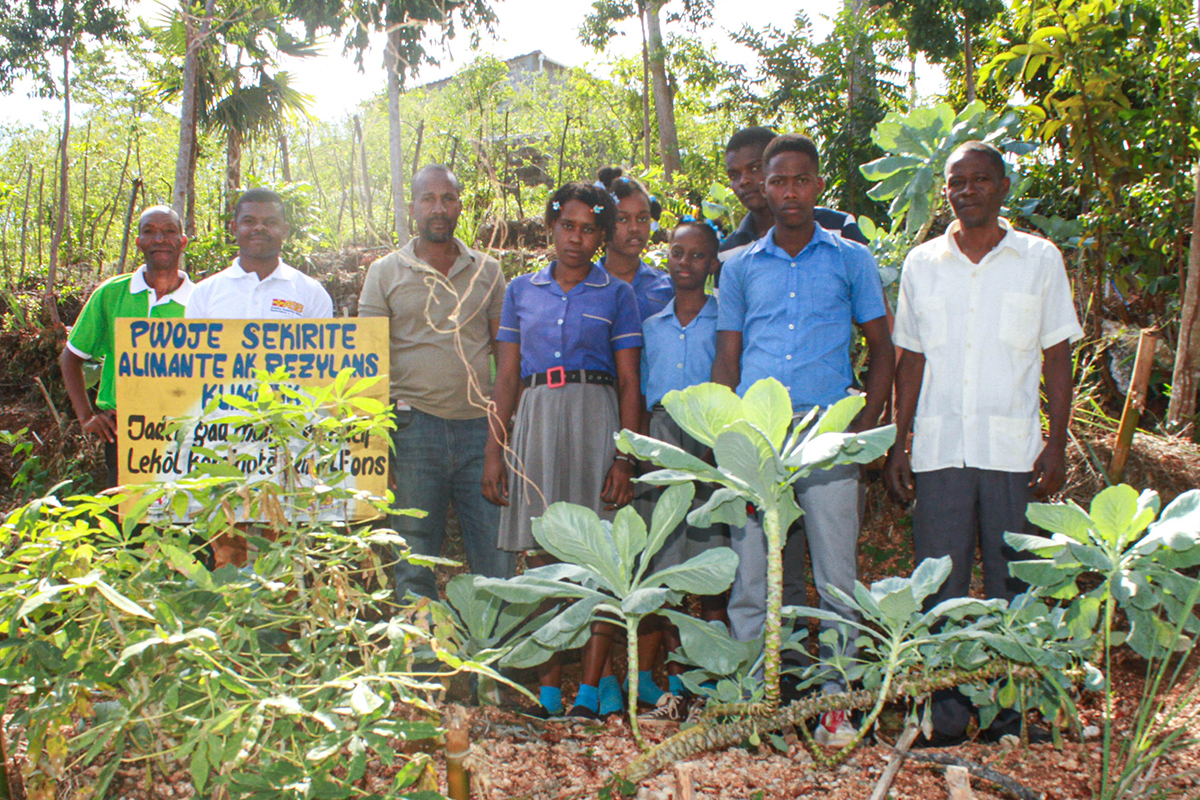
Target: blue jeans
{"x": 436, "y": 461}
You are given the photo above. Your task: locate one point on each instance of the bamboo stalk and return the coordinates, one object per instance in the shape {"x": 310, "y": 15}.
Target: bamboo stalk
{"x": 1135, "y": 402}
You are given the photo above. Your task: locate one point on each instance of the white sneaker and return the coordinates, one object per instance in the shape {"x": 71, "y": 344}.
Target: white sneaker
{"x": 834, "y": 729}
{"x": 669, "y": 708}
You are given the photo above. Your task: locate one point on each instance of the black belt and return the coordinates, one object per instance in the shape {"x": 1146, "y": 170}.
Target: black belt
{"x": 556, "y": 377}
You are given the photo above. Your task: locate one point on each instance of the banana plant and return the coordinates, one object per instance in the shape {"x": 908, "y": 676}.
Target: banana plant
{"x": 759, "y": 454}
{"x": 603, "y": 575}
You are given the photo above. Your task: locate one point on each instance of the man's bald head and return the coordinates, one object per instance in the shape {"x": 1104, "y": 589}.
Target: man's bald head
{"x": 155, "y": 211}
{"x": 439, "y": 171}
{"x": 436, "y": 203}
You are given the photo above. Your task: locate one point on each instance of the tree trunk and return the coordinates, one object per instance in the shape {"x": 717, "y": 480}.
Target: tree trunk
{"x": 645, "y": 90}
{"x": 187, "y": 112}
{"x": 668, "y": 139}
{"x": 285, "y": 163}
{"x": 233, "y": 168}
{"x": 1181, "y": 413}
{"x": 395, "y": 146}
{"x": 968, "y": 60}
{"x": 49, "y": 300}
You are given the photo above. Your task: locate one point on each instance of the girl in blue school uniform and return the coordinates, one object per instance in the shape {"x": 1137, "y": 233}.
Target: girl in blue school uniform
{"x": 571, "y": 336}
{"x": 637, "y": 213}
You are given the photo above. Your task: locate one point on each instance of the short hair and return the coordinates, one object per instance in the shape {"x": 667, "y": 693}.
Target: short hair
{"x": 170, "y": 212}
{"x": 995, "y": 157}
{"x": 791, "y": 143}
{"x": 259, "y": 194}
{"x": 746, "y": 137}
{"x": 589, "y": 195}
{"x": 706, "y": 227}
{"x": 439, "y": 168}
{"x": 620, "y": 186}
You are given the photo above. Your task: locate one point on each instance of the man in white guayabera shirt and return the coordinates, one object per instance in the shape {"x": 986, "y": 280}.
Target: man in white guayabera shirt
{"x": 984, "y": 314}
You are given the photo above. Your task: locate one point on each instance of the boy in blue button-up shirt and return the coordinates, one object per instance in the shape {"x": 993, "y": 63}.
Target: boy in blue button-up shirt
{"x": 788, "y": 303}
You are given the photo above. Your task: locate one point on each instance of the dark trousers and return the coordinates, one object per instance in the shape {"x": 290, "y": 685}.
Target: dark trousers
{"x": 956, "y": 510}
{"x": 110, "y": 463}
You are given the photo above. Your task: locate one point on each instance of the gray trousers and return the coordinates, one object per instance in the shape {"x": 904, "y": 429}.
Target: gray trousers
{"x": 832, "y": 516}
{"x": 955, "y": 509}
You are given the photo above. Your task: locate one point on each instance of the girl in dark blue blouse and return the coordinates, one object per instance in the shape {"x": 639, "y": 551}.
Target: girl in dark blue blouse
{"x": 571, "y": 335}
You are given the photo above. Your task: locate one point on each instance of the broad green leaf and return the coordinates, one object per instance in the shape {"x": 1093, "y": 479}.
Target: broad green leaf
{"x": 575, "y": 534}
{"x": 839, "y": 415}
{"x": 1038, "y": 545}
{"x": 899, "y": 606}
{"x": 664, "y": 455}
{"x": 1179, "y": 524}
{"x": 186, "y": 564}
{"x": 1113, "y": 511}
{"x": 929, "y": 576}
{"x": 477, "y": 608}
{"x": 740, "y": 458}
{"x": 1065, "y": 518}
{"x": 1038, "y": 572}
{"x": 1091, "y": 557}
{"x": 629, "y": 535}
{"x": 523, "y": 589}
{"x": 198, "y": 769}
{"x": 567, "y": 625}
{"x": 709, "y": 573}
{"x": 647, "y": 600}
{"x": 724, "y": 506}
{"x": 38, "y": 600}
{"x": 704, "y": 410}
{"x": 669, "y": 511}
{"x": 881, "y": 168}
{"x": 768, "y": 407}
{"x": 708, "y": 643}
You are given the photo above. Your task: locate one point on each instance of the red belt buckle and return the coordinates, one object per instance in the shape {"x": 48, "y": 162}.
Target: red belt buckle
{"x": 556, "y": 377}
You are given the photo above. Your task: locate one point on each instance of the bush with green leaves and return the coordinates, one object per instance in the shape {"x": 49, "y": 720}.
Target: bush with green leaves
{"x": 277, "y": 680}
{"x": 1141, "y": 564}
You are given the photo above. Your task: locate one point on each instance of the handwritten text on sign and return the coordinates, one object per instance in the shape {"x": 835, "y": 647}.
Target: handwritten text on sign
{"x": 171, "y": 369}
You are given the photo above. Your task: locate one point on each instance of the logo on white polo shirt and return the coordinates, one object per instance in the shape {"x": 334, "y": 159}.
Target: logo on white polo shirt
{"x": 281, "y": 306}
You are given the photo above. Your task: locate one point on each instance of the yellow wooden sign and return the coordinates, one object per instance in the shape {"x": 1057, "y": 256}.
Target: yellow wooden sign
{"x": 173, "y": 369}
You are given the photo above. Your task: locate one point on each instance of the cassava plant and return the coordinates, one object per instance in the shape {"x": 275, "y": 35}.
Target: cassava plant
{"x": 278, "y": 680}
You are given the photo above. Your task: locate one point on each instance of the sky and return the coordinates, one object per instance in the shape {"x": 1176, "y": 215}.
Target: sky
{"x": 337, "y": 87}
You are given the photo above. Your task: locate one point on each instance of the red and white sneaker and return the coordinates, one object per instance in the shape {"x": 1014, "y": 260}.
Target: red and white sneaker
{"x": 834, "y": 729}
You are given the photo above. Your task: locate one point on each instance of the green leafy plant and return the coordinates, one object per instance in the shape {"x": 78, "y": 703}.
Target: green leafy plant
{"x": 278, "y": 680}
{"x": 1138, "y": 561}
{"x": 603, "y": 571}
{"x": 759, "y": 455}
{"x": 918, "y": 144}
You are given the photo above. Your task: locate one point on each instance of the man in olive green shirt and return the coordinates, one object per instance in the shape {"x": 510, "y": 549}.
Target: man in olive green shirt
{"x": 158, "y": 289}
{"x": 443, "y": 303}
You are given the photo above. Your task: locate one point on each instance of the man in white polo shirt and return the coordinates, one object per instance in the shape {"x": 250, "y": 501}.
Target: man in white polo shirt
{"x": 984, "y": 314}
{"x": 258, "y": 285}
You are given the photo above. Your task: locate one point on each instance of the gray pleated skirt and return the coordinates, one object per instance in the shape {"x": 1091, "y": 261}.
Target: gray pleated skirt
{"x": 562, "y": 448}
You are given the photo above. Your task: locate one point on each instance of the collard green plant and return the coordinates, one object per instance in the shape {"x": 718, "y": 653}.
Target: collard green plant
{"x": 604, "y": 574}
{"x": 1139, "y": 562}
{"x": 759, "y": 455}
{"x": 278, "y": 680}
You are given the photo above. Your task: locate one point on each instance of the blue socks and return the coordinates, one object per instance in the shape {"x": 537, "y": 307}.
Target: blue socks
{"x": 588, "y": 696}
{"x": 611, "y": 698}
{"x": 675, "y": 685}
{"x": 551, "y": 699}
{"x": 648, "y": 691}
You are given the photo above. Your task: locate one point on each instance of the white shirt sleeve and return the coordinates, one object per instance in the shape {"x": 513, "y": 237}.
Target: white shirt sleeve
{"x": 197, "y": 304}
{"x": 906, "y": 333}
{"x": 322, "y": 303}
{"x": 1059, "y": 322}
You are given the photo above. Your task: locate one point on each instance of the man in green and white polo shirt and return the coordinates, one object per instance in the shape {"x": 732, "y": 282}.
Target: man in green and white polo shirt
{"x": 158, "y": 289}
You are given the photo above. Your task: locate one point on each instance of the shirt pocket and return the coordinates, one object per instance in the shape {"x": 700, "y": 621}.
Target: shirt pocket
{"x": 1020, "y": 320}
{"x": 931, "y": 323}
{"x": 1009, "y": 440}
